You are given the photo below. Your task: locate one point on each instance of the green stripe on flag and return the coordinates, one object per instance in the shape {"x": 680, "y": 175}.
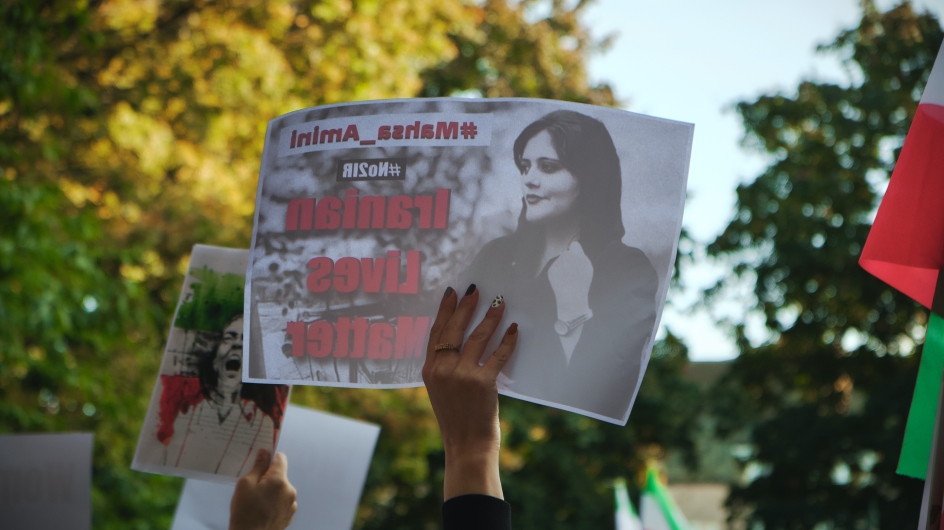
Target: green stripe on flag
{"x": 916, "y": 447}
{"x": 669, "y": 509}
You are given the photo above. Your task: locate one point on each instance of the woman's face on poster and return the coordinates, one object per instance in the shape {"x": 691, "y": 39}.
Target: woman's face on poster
{"x": 549, "y": 189}
{"x": 229, "y": 356}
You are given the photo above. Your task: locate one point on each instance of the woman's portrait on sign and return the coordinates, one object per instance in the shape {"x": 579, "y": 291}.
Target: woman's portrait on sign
{"x": 586, "y": 302}
{"x": 203, "y": 421}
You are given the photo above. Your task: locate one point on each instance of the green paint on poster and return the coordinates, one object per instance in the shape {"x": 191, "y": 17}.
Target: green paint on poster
{"x": 916, "y": 447}
{"x": 215, "y": 298}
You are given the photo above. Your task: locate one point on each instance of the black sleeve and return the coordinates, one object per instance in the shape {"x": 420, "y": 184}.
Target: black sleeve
{"x": 476, "y": 512}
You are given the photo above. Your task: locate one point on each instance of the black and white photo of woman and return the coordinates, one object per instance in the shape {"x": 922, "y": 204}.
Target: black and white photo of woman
{"x": 585, "y": 301}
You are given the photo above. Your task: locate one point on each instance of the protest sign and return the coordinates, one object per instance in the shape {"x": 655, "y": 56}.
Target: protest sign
{"x": 328, "y": 457}
{"x": 45, "y": 481}
{"x": 367, "y": 212}
{"x": 203, "y": 421}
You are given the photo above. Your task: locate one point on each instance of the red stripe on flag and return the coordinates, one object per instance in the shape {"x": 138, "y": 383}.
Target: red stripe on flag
{"x": 905, "y": 247}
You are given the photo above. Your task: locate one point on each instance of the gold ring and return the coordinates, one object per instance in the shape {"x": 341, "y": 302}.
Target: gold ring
{"x": 445, "y": 346}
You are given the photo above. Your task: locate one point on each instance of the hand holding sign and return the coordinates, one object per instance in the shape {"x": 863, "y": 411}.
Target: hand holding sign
{"x": 264, "y": 498}
{"x": 464, "y": 394}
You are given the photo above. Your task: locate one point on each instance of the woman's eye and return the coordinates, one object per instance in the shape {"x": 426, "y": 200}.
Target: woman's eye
{"x": 524, "y": 166}
{"x": 549, "y": 166}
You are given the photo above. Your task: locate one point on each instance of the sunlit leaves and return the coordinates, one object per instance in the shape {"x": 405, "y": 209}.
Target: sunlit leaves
{"x": 132, "y": 129}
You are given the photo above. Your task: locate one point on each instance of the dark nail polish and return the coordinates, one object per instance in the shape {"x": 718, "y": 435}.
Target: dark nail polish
{"x": 470, "y": 290}
{"x": 513, "y": 329}
{"x": 448, "y": 292}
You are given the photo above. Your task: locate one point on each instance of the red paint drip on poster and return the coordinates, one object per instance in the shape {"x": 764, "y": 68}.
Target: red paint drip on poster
{"x": 276, "y": 410}
{"x": 178, "y": 394}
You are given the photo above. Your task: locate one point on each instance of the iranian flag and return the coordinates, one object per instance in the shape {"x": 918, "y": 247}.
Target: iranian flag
{"x": 626, "y": 518}
{"x": 905, "y": 248}
{"x": 658, "y": 509}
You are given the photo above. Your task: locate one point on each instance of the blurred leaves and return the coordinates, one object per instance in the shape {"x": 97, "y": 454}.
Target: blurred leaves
{"x": 832, "y": 384}
{"x": 132, "y": 129}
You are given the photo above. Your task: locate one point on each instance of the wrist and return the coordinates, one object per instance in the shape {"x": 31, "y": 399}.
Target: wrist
{"x": 471, "y": 447}
{"x": 472, "y": 473}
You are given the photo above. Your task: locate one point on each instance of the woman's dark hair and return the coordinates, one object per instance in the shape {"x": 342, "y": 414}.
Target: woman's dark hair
{"x": 584, "y": 147}
{"x": 204, "y": 348}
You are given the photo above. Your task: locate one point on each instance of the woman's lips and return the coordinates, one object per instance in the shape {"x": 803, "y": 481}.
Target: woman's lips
{"x": 534, "y": 199}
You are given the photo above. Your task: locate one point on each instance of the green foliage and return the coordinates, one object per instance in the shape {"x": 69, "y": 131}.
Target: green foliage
{"x": 70, "y": 321}
{"x": 131, "y": 130}
{"x": 829, "y": 392}
{"x": 508, "y": 57}
{"x": 560, "y": 468}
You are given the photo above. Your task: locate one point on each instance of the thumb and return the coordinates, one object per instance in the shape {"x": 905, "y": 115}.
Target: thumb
{"x": 279, "y": 467}
{"x": 260, "y": 466}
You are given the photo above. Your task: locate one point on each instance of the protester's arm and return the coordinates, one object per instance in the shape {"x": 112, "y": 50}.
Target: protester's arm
{"x": 464, "y": 396}
{"x": 264, "y": 499}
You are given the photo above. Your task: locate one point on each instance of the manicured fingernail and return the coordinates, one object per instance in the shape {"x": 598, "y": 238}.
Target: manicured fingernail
{"x": 498, "y": 301}
{"x": 470, "y": 290}
{"x": 448, "y": 292}
{"x": 513, "y": 329}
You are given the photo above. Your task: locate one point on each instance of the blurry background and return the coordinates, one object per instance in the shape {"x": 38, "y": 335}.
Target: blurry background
{"x": 132, "y": 129}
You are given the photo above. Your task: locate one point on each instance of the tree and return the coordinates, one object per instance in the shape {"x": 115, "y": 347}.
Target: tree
{"x": 828, "y": 392}
{"x": 131, "y": 130}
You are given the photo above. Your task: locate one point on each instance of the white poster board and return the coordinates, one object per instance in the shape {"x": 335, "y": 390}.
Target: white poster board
{"x": 46, "y": 481}
{"x": 366, "y": 212}
{"x": 329, "y": 486}
{"x": 203, "y": 421}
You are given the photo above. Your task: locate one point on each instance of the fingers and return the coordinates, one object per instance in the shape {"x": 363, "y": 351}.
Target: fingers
{"x": 454, "y": 330}
{"x": 446, "y": 308}
{"x": 278, "y": 469}
{"x": 474, "y": 347}
{"x": 259, "y": 467}
{"x": 497, "y": 361}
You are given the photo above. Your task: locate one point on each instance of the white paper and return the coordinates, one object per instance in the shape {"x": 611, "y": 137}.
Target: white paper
{"x": 366, "y": 212}
{"x": 925, "y": 500}
{"x": 203, "y": 422}
{"x": 934, "y": 89}
{"x": 328, "y": 458}
{"x": 46, "y": 481}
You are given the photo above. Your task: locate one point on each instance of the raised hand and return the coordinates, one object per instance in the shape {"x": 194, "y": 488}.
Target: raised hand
{"x": 264, "y": 499}
{"x": 464, "y": 394}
